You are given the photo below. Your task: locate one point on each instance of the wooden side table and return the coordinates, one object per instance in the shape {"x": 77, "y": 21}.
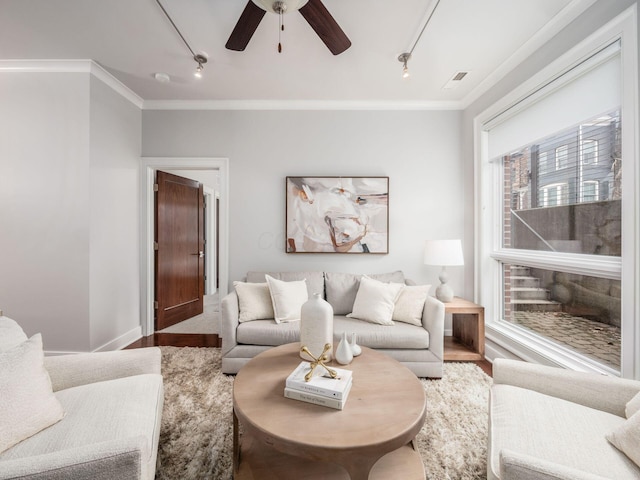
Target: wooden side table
{"x": 467, "y": 342}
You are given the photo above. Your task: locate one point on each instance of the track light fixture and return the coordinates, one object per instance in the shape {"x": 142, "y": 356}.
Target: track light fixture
{"x": 198, "y": 57}
{"x": 404, "y": 57}
{"x": 200, "y": 60}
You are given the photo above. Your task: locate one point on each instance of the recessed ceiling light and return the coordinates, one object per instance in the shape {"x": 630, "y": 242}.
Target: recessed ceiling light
{"x": 162, "y": 77}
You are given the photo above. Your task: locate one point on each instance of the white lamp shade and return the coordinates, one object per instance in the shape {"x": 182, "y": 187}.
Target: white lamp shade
{"x": 443, "y": 252}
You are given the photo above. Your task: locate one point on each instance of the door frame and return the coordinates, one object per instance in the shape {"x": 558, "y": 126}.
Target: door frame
{"x": 211, "y": 239}
{"x": 148, "y": 167}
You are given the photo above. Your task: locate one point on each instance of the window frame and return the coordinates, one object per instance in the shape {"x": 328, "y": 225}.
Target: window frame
{"x": 583, "y": 184}
{"x": 507, "y": 340}
{"x": 591, "y": 141}
{"x": 562, "y": 189}
{"x": 565, "y": 157}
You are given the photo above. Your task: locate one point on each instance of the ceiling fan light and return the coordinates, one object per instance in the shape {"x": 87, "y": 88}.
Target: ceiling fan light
{"x": 290, "y": 5}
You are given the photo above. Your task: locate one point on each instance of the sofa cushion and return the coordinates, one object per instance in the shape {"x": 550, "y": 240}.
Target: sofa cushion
{"x": 342, "y": 288}
{"x": 287, "y": 298}
{"x": 118, "y": 409}
{"x": 410, "y": 304}
{"x": 626, "y": 438}
{"x": 315, "y": 280}
{"x": 254, "y": 301}
{"x": 375, "y": 301}
{"x": 27, "y": 404}
{"x": 554, "y": 430}
{"x": 268, "y": 332}
{"x": 11, "y": 334}
{"x": 398, "y": 336}
{"x": 632, "y": 406}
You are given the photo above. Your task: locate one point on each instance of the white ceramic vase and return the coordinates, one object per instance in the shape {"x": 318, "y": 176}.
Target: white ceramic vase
{"x": 344, "y": 355}
{"x": 316, "y": 326}
{"x": 355, "y": 348}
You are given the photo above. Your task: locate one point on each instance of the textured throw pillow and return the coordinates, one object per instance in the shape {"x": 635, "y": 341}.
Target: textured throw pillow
{"x": 342, "y": 288}
{"x": 27, "y": 404}
{"x": 254, "y": 301}
{"x": 287, "y": 298}
{"x": 375, "y": 301}
{"x": 632, "y": 406}
{"x": 626, "y": 438}
{"x": 11, "y": 335}
{"x": 410, "y": 304}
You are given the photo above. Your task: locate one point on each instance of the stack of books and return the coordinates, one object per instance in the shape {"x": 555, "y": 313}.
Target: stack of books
{"x": 321, "y": 389}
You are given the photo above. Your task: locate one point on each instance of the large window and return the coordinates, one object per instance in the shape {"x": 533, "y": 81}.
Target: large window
{"x": 557, "y": 215}
{"x": 577, "y": 312}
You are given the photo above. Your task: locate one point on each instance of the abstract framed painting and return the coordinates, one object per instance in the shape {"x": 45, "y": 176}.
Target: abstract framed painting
{"x": 337, "y": 215}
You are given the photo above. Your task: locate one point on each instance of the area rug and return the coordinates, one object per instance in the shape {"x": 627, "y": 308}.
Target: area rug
{"x": 196, "y": 433}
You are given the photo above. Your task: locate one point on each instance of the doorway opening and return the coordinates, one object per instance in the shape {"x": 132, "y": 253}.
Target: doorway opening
{"x": 218, "y": 196}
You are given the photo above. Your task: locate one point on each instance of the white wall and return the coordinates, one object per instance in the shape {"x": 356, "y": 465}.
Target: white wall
{"x": 418, "y": 150}
{"x": 69, "y": 159}
{"x": 44, "y": 205}
{"x": 114, "y": 228}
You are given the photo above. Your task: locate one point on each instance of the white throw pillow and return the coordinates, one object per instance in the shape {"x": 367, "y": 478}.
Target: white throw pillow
{"x": 27, "y": 404}
{"x": 632, "y": 406}
{"x": 626, "y": 438}
{"x": 254, "y": 301}
{"x": 375, "y": 301}
{"x": 410, "y": 304}
{"x": 287, "y": 298}
{"x": 11, "y": 335}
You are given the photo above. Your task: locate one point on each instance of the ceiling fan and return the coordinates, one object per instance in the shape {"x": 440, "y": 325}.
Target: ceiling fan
{"x": 313, "y": 11}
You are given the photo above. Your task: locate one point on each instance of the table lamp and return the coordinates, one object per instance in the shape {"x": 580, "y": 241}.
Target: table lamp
{"x": 445, "y": 253}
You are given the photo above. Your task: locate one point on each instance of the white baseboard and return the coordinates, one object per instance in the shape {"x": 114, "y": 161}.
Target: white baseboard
{"x": 116, "y": 344}
{"x": 448, "y": 332}
{"x": 55, "y": 353}
{"x": 122, "y": 341}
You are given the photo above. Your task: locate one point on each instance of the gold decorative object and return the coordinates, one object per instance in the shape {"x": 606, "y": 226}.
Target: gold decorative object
{"x": 318, "y": 361}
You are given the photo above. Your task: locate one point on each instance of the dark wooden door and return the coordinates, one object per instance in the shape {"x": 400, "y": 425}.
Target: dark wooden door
{"x": 180, "y": 249}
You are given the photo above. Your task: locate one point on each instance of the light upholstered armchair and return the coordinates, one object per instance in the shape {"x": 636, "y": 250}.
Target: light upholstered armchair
{"x": 102, "y": 414}
{"x": 550, "y": 423}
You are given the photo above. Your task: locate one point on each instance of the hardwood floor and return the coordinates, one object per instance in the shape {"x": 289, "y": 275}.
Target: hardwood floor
{"x": 206, "y": 340}
{"x": 486, "y": 367}
{"x": 178, "y": 340}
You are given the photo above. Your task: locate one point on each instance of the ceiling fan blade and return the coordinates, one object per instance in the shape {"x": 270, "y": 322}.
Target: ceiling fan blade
{"x": 245, "y": 28}
{"x": 317, "y": 15}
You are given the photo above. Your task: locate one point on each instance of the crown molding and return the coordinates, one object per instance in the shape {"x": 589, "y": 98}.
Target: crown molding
{"x": 101, "y": 74}
{"x": 298, "y": 105}
{"x": 542, "y": 36}
{"x": 72, "y": 66}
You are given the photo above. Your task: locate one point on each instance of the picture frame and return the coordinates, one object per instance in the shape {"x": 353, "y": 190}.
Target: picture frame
{"x": 347, "y": 215}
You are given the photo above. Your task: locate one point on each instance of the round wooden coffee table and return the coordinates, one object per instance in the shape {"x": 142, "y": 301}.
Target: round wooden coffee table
{"x": 370, "y": 438}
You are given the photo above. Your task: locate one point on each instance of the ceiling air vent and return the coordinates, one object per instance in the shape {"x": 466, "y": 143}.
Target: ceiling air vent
{"x": 455, "y": 80}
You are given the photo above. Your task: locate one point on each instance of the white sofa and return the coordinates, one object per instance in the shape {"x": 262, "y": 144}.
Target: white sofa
{"x": 112, "y": 404}
{"x": 420, "y": 348}
{"x": 549, "y": 423}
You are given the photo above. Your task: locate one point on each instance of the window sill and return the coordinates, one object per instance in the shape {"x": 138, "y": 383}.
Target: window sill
{"x": 532, "y": 348}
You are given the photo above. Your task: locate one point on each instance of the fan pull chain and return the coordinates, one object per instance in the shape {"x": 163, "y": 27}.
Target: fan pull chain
{"x": 280, "y": 30}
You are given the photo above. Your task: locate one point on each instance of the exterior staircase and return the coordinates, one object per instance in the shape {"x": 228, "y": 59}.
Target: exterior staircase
{"x": 527, "y": 295}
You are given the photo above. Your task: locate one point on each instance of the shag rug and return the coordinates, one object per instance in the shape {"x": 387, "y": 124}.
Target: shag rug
{"x": 196, "y": 437}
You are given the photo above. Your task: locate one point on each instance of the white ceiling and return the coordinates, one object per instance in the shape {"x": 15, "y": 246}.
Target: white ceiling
{"x": 132, "y": 40}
